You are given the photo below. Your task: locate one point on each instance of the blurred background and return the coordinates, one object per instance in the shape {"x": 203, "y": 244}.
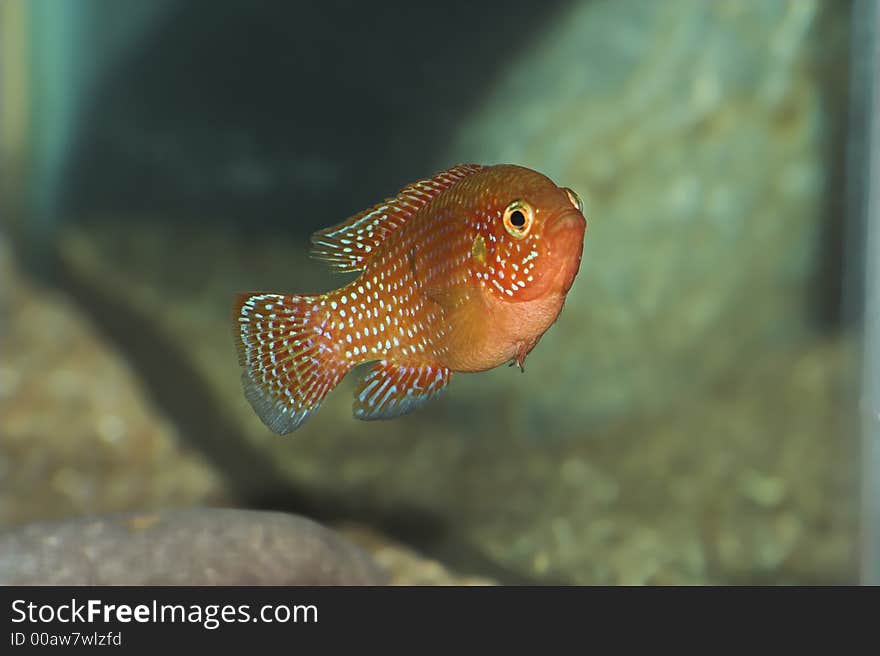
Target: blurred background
{"x": 701, "y": 412}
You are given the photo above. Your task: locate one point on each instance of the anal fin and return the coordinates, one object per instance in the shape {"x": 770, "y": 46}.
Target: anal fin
{"x": 392, "y": 389}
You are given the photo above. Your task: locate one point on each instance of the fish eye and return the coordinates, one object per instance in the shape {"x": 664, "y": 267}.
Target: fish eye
{"x": 518, "y": 219}
{"x": 574, "y": 198}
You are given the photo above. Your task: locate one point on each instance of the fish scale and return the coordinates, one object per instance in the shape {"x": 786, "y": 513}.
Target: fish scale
{"x": 447, "y": 283}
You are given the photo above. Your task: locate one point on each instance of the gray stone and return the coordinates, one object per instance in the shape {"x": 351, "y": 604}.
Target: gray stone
{"x": 186, "y": 547}
{"x": 697, "y": 134}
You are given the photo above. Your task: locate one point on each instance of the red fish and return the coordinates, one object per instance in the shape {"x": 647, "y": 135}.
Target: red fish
{"x": 460, "y": 272}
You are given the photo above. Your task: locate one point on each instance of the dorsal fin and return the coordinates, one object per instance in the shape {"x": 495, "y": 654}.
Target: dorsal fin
{"x": 348, "y": 245}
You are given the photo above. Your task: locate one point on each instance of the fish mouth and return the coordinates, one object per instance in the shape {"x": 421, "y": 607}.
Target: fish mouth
{"x": 565, "y": 241}
{"x": 565, "y": 233}
{"x": 571, "y": 221}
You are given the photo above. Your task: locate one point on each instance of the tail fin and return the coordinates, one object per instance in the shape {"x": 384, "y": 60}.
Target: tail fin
{"x": 289, "y": 362}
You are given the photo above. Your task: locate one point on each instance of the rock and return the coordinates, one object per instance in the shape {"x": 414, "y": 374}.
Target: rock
{"x": 78, "y": 433}
{"x": 406, "y": 566}
{"x": 698, "y": 137}
{"x": 185, "y": 547}
{"x": 674, "y": 497}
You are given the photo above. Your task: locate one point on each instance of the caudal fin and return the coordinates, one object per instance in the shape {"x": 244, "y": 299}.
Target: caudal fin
{"x": 289, "y": 362}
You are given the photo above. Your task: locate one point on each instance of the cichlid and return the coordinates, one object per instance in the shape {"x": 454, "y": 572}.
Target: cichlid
{"x": 460, "y": 272}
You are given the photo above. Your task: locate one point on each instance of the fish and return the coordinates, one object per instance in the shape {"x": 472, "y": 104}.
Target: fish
{"x": 460, "y": 272}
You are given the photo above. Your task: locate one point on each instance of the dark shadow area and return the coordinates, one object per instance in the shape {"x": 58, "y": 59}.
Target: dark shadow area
{"x": 292, "y": 114}
{"x": 254, "y": 479}
{"x": 838, "y": 281}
